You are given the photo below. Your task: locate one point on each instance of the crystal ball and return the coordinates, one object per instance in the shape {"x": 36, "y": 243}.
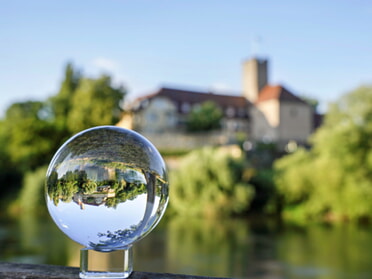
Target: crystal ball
{"x": 106, "y": 188}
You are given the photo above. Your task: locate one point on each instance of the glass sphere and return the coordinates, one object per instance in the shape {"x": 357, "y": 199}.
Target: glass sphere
{"x": 106, "y": 188}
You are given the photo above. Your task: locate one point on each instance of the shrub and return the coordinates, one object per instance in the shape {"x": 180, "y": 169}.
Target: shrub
{"x": 209, "y": 183}
{"x": 31, "y": 198}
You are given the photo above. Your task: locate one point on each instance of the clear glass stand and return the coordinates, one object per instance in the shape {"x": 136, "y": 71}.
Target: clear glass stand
{"x": 115, "y": 264}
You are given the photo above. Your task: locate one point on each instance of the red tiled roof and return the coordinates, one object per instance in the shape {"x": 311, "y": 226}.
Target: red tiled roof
{"x": 180, "y": 97}
{"x": 277, "y": 92}
{"x": 194, "y": 97}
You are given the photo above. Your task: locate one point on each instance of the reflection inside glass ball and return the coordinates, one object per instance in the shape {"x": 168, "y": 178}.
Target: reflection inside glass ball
{"x": 107, "y": 188}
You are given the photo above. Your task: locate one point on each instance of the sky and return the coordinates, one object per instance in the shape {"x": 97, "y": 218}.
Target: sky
{"x": 320, "y": 48}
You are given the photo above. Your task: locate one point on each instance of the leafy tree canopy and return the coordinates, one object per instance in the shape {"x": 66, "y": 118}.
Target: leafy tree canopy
{"x": 95, "y": 102}
{"x": 210, "y": 182}
{"x": 205, "y": 117}
{"x": 32, "y": 131}
{"x": 27, "y": 135}
{"x": 61, "y": 103}
{"x": 334, "y": 179}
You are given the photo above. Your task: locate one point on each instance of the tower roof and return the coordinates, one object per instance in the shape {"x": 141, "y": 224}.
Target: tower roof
{"x": 278, "y": 92}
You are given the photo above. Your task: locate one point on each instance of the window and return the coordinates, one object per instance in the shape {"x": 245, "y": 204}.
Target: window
{"x": 185, "y": 107}
{"x": 241, "y": 112}
{"x": 151, "y": 117}
{"x": 145, "y": 103}
{"x": 230, "y": 112}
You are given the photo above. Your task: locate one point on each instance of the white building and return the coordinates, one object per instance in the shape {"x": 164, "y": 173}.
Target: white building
{"x": 263, "y": 112}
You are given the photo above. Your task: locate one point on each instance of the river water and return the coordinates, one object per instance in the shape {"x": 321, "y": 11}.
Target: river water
{"x": 235, "y": 248}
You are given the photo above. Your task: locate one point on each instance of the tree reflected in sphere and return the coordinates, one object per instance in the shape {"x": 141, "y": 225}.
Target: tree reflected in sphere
{"x": 106, "y": 188}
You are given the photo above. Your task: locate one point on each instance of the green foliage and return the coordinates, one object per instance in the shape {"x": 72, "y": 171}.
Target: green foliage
{"x": 31, "y": 198}
{"x": 173, "y": 152}
{"x": 61, "y": 103}
{"x": 210, "y": 182}
{"x": 342, "y": 249}
{"x": 9, "y": 175}
{"x": 333, "y": 181}
{"x": 78, "y": 187}
{"x": 27, "y": 135}
{"x": 32, "y": 131}
{"x": 129, "y": 192}
{"x": 224, "y": 239}
{"x": 95, "y": 102}
{"x": 264, "y": 191}
{"x": 264, "y": 154}
{"x": 205, "y": 117}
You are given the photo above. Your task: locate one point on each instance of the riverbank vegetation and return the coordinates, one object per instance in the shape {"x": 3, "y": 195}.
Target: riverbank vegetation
{"x": 210, "y": 182}
{"x": 331, "y": 181}
{"x": 32, "y": 131}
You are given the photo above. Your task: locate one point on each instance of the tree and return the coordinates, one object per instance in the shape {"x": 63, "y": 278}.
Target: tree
{"x": 9, "y": 173}
{"x": 205, "y": 117}
{"x": 31, "y": 198}
{"x": 210, "y": 182}
{"x": 95, "y": 102}
{"x": 334, "y": 179}
{"x": 32, "y": 131}
{"x": 61, "y": 103}
{"x": 28, "y": 135}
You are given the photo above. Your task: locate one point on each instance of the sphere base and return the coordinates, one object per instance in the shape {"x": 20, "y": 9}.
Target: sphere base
{"x": 115, "y": 265}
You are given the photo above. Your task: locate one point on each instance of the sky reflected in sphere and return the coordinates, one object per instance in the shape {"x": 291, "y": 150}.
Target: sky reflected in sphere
{"x": 106, "y": 188}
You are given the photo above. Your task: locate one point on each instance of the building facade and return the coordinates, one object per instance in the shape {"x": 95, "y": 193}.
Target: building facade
{"x": 263, "y": 112}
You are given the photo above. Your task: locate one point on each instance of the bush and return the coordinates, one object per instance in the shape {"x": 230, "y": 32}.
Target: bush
{"x": 209, "y": 182}
{"x": 31, "y": 198}
{"x": 205, "y": 117}
{"x": 332, "y": 181}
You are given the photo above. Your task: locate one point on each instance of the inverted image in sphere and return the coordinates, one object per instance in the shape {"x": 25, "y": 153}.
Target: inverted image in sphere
{"x": 106, "y": 188}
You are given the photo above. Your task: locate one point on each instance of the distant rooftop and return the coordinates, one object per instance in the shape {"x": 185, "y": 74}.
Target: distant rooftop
{"x": 181, "y": 97}
{"x": 277, "y": 92}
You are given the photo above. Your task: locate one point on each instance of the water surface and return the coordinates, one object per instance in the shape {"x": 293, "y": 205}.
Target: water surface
{"x": 225, "y": 248}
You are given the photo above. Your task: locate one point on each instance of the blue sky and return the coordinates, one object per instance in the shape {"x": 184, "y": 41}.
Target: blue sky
{"x": 321, "y": 49}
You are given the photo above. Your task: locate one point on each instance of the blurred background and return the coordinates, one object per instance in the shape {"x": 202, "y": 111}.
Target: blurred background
{"x": 262, "y": 111}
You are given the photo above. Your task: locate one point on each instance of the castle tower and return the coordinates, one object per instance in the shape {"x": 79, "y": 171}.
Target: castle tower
{"x": 255, "y": 77}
